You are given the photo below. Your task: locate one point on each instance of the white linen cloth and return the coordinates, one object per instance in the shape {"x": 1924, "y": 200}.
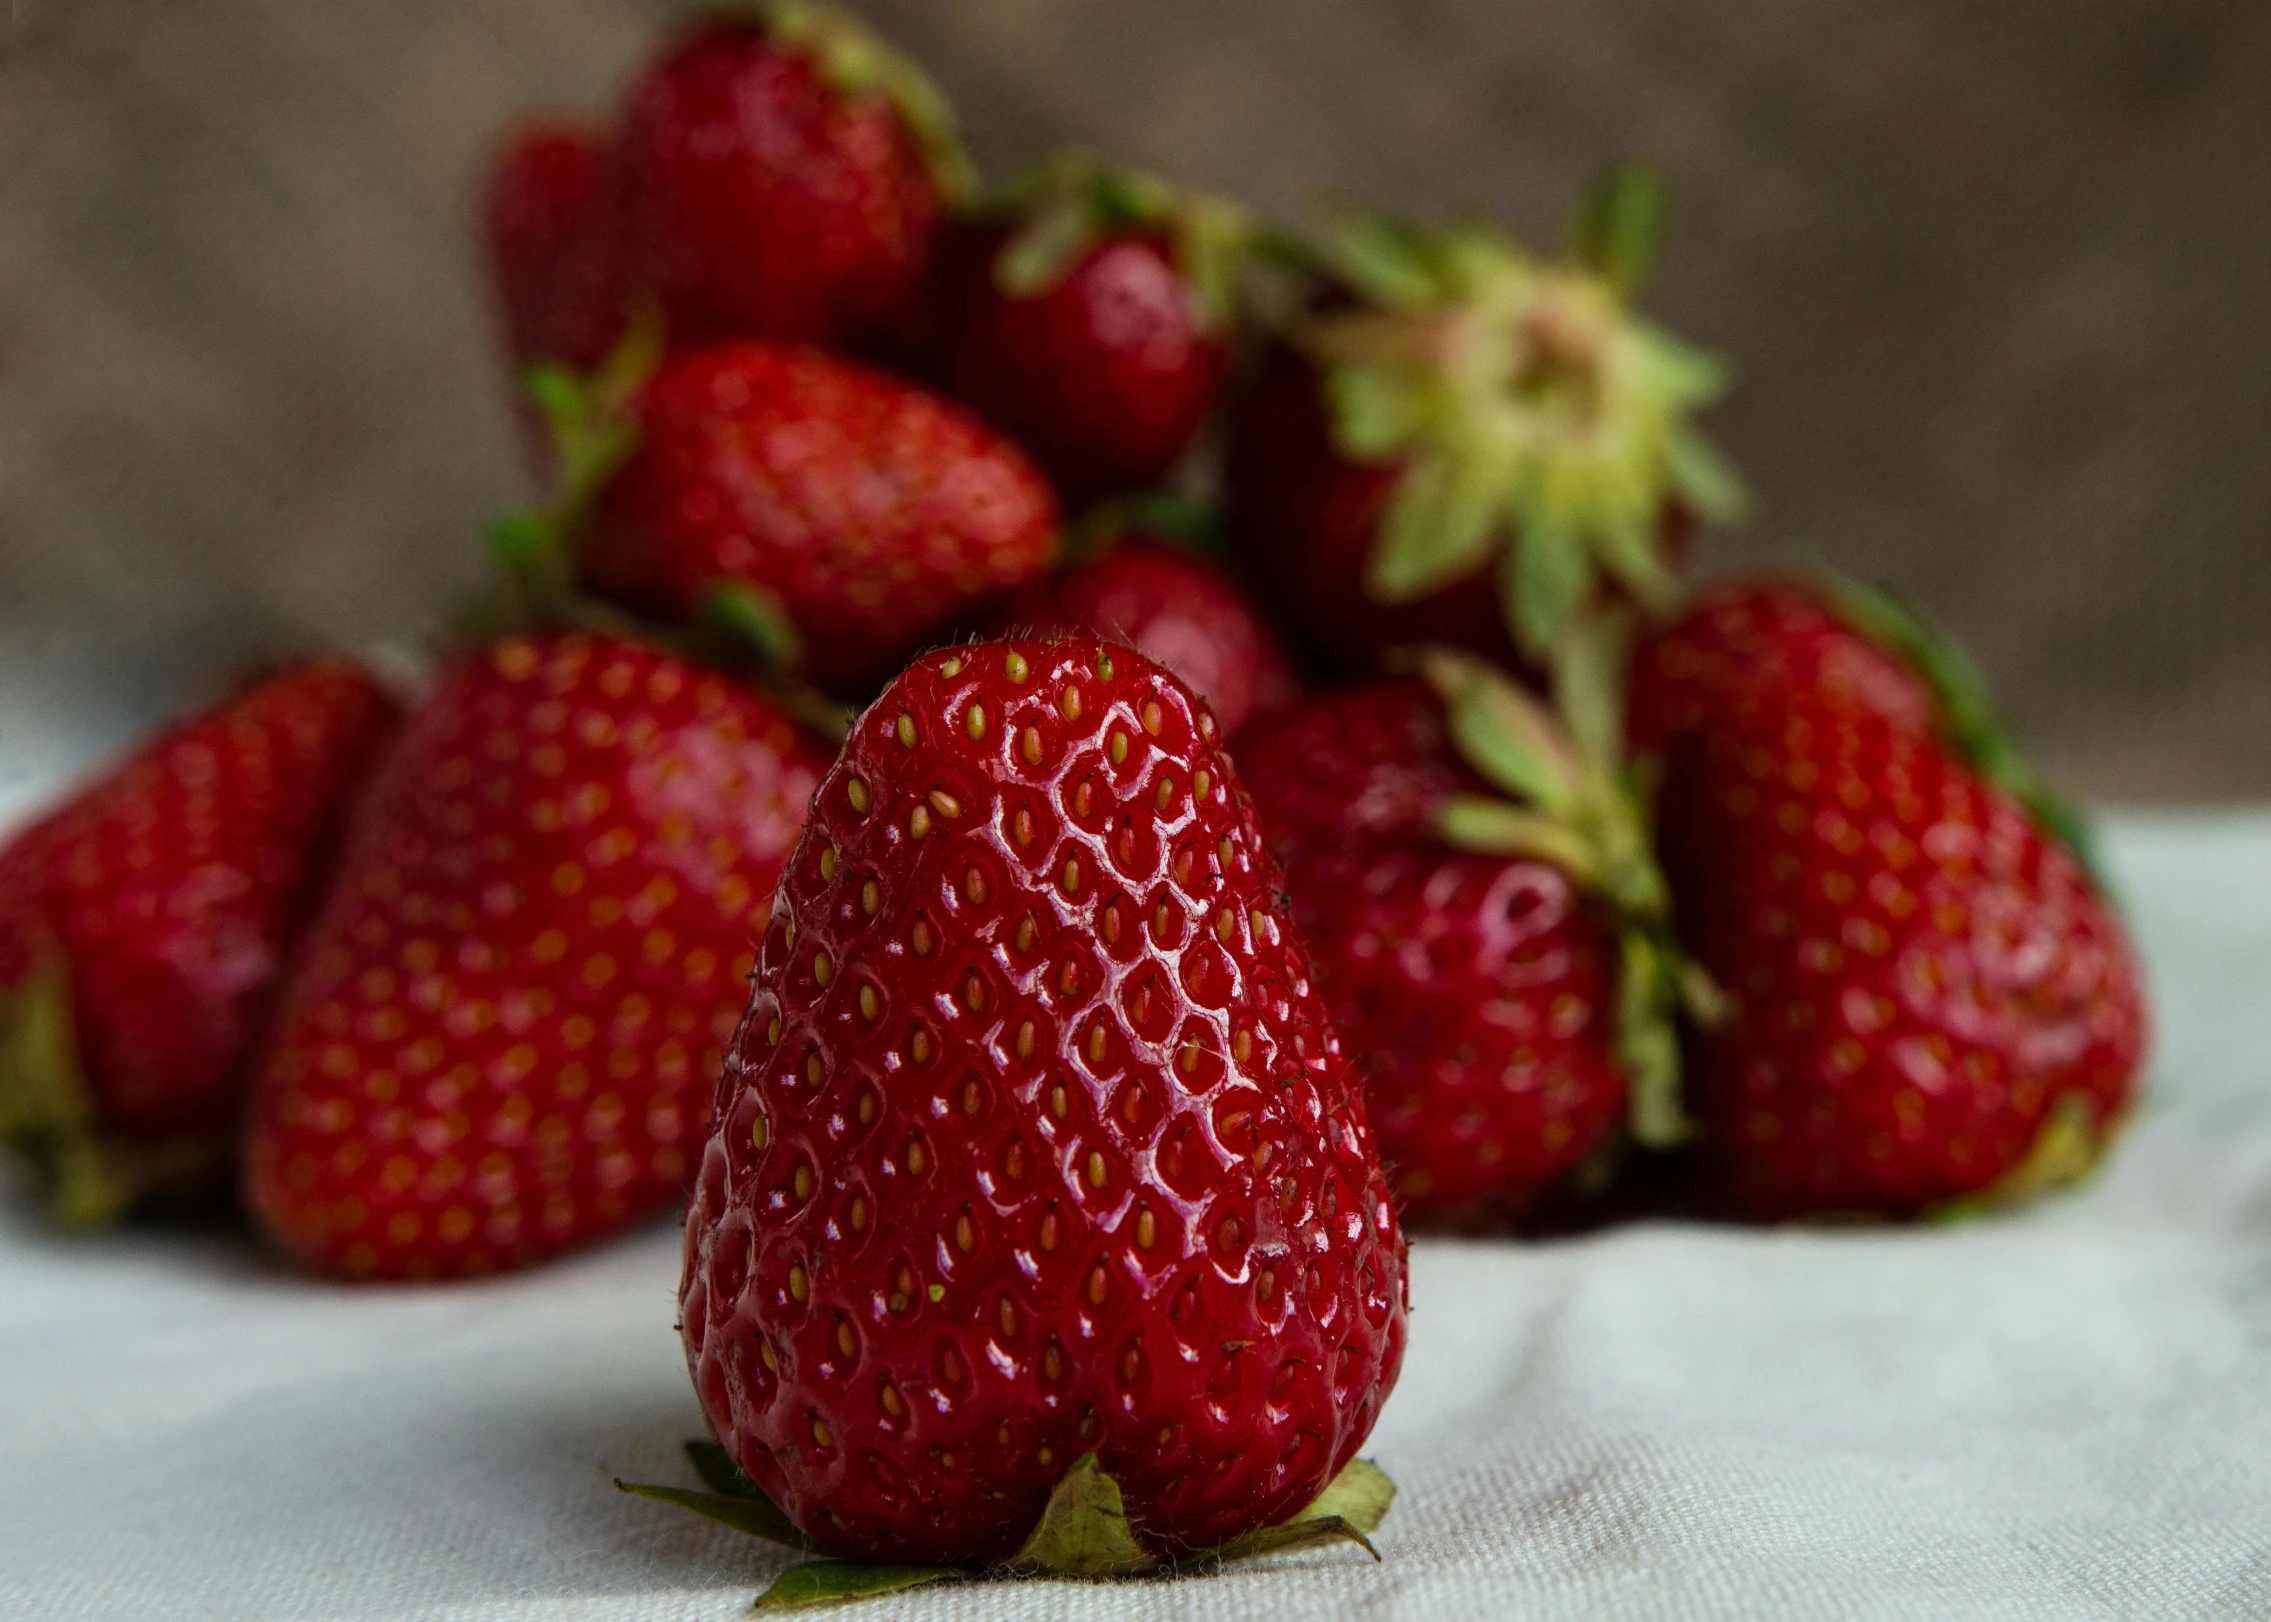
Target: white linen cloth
{"x": 2065, "y": 1413}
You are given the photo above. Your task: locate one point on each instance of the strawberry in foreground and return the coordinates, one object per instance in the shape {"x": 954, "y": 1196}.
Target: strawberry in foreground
{"x": 1933, "y": 1005}
{"x": 1088, "y": 313}
{"x": 1490, "y": 931}
{"x": 786, "y": 175}
{"x": 848, "y": 513}
{"x": 1035, "y": 1142}
{"x": 500, "y": 1038}
{"x": 144, "y": 925}
{"x": 554, "y": 247}
{"x": 1454, "y": 442}
{"x": 1178, "y": 610}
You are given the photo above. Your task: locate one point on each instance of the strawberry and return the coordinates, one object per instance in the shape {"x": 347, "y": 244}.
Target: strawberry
{"x": 1453, "y": 440}
{"x": 861, "y": 510}
{"x": 1087, "y": 313}
{"x": 554, "y": 246}
{"x": 501, "y": 1035}
{"x": 1933, "y": 1005}
{"x": 144, "y": 925}
{"x": 1035, "y": 1143}
{"x": 1773, "y": 633}
{"x": 1176, "y": 608}
{"x": 787, "y": 177}
{"x": 1502, "y": 975}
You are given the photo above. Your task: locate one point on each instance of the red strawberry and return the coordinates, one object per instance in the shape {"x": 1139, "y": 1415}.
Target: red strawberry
{"x": 1932, "y": 1002}
{"x": 1455, "y": 440}
{"x": 554, "y": 247}
{"x": 1178, "y": 610}
{"x": 867, "y": 512}
{"x": 787, "y": 178}
{"x": 144, "y": 924}
{"x": 1035, "y": 1142}
{"x": 1088, "y": 315}
{"x": 1475, "y": 956}
{"x": 500, "y": 1040}
{"x": 1772, "y": 634}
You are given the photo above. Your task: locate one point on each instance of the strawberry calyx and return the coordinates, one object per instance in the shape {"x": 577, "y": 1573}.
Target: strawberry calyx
{"x": 1083, "y": 1532}
{"x": 1543, "y": 426}
{"x": 1067, "y": 203}
{"x": 1969, "y": 720}
{"x": 1187, "y": 521}
{"x": 854, "y": 62}
{"x": 91, "y": 1178}
{"x": 1569, "y": 799}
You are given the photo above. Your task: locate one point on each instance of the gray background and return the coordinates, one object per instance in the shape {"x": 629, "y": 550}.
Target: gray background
{"x": 1996, "y": 278}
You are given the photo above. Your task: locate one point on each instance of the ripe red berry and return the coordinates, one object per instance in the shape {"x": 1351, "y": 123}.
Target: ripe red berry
{"x": 871, "y": 513}
{"x": 157, "y": 907}
{"x": 787, "y": 178}
{"x": 1932, "y": 1003}
{"x": 1766, "y": 634}
{"x": 1477, "y": 993}
{"x": 1036, "y": 1141}
{"x": 502, "y": 1034}
{"x": 1178, "y": 610}
{"x": 554, "y": 245}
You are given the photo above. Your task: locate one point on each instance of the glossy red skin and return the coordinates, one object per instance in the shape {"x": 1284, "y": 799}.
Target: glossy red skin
{"x": 1767, "y": 635}
{"x": 761, "y": 202}
{"x": 876, "y": 512}
{"x": 552, "y": 235}
{"x": 1106, "y": 376}
{"x": 1179, "y": 611}
{"x": 1918, "y": 972}
{"x": 1476, "y": 994}
{"x": 932, "y": 1260}
{"x": 502, "y": 1033}
{"x": 1306, "y": 518}
{"x": 173, "y": 886}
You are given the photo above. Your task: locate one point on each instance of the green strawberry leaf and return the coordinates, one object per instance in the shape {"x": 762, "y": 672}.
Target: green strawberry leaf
{"x": 1039, "y": 252}
{"x": 855, "y": 62}
{"x": 1361, "y": 1495}
{"x": 1384, "y": 262}
{"x": 758, "y": 1516}
{"x": 48, "y": 1115}
{"x": 1437, "y": 527}
{"x": 1503, "y": 731}
{"x": 834, "y": 1582}
{"x": 1545, "y": 577}
{"x": 1494, "y": 827}
{"x": 1083, "y": 1531}
{"x": 752, "y": 624}
{"x": 1618, "y": 225}
{"x": 718, "y": 1471}
{"x": 1303, "y": 1532}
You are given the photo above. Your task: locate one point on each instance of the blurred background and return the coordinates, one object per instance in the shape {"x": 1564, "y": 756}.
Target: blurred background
{"x": 1996, "y": 281}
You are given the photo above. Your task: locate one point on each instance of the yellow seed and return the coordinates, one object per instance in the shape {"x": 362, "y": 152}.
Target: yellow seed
{"x": 844, "y": 1341}
{"x": 1119, "y": 747}
{"x": 951, "y": 669}
{"x": 823, "y": 970}
{"x": 1188, "y": 1059}
{"x": 945, "y": 804}
{"x": 1025, "y": 1040}
{"x": 1053, "y": 1364}
{"x": 1242, "y": 1046}
{"x": 965, "y": 1235}
{"x": 918, "y": 821}
{"x": 1015, "y": 665}
{"x": 1069, "y": 702}
{"x": 1151, "y": 716}
{"x": 800, "y": 1286}
{"x": 870, "y": 1003}
{"x": 803, "y": 1182}
{"x": 1027, "y": 932}
{"x": 812, "y": 1070}
{"x": 919, "y": 938}
{"x": 1104, "y": 667}
{"x": 1005, "y": 1314}
{"x": 871, "y": 897}
{"x": 975, "y": 722}
{"x": 920, "y": 1045}
{"x": 1223, "y": 925}
{"x": 773, "y": 1031}
{"x": 1029, "y": 745}
{"x": 1096, "y": 1044}
{"x": 1049, "y": 1231}
{"x": 859, "y": 1215}
{"x": 1165, "y": 794}
{"x": 1112, "y": 922}
{"x": 867, "y": 1109}
{"x": 1095, "y": 1169}
{"x": 822, "y": 1434}
{"x": 893, "y": 1404}
{"x": 1147, "y": 1229}
{"x": 1223, "y": 850}
{"x": 856, "y": 792}
{"x": 1072, "y": 877}
{"x": 906, "y": 729}
{"x": 974, "y": 885}
{"x": 759, "y": 1133}
{"x": 765, "y": 1350}
{"x": 916, "y": 1159}
{"x": 971, "y": 1098}
{"x": 1058, "y": 1103}
{"x": 1096, "y": 1284}
{"x": 1200, "y": 782}
{"x": 973, "y": 994}
{"x": 828, "y": 864}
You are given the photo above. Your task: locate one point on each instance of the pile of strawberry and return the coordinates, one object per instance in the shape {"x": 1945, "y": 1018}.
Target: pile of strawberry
{"x": 1344, "y": 822}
